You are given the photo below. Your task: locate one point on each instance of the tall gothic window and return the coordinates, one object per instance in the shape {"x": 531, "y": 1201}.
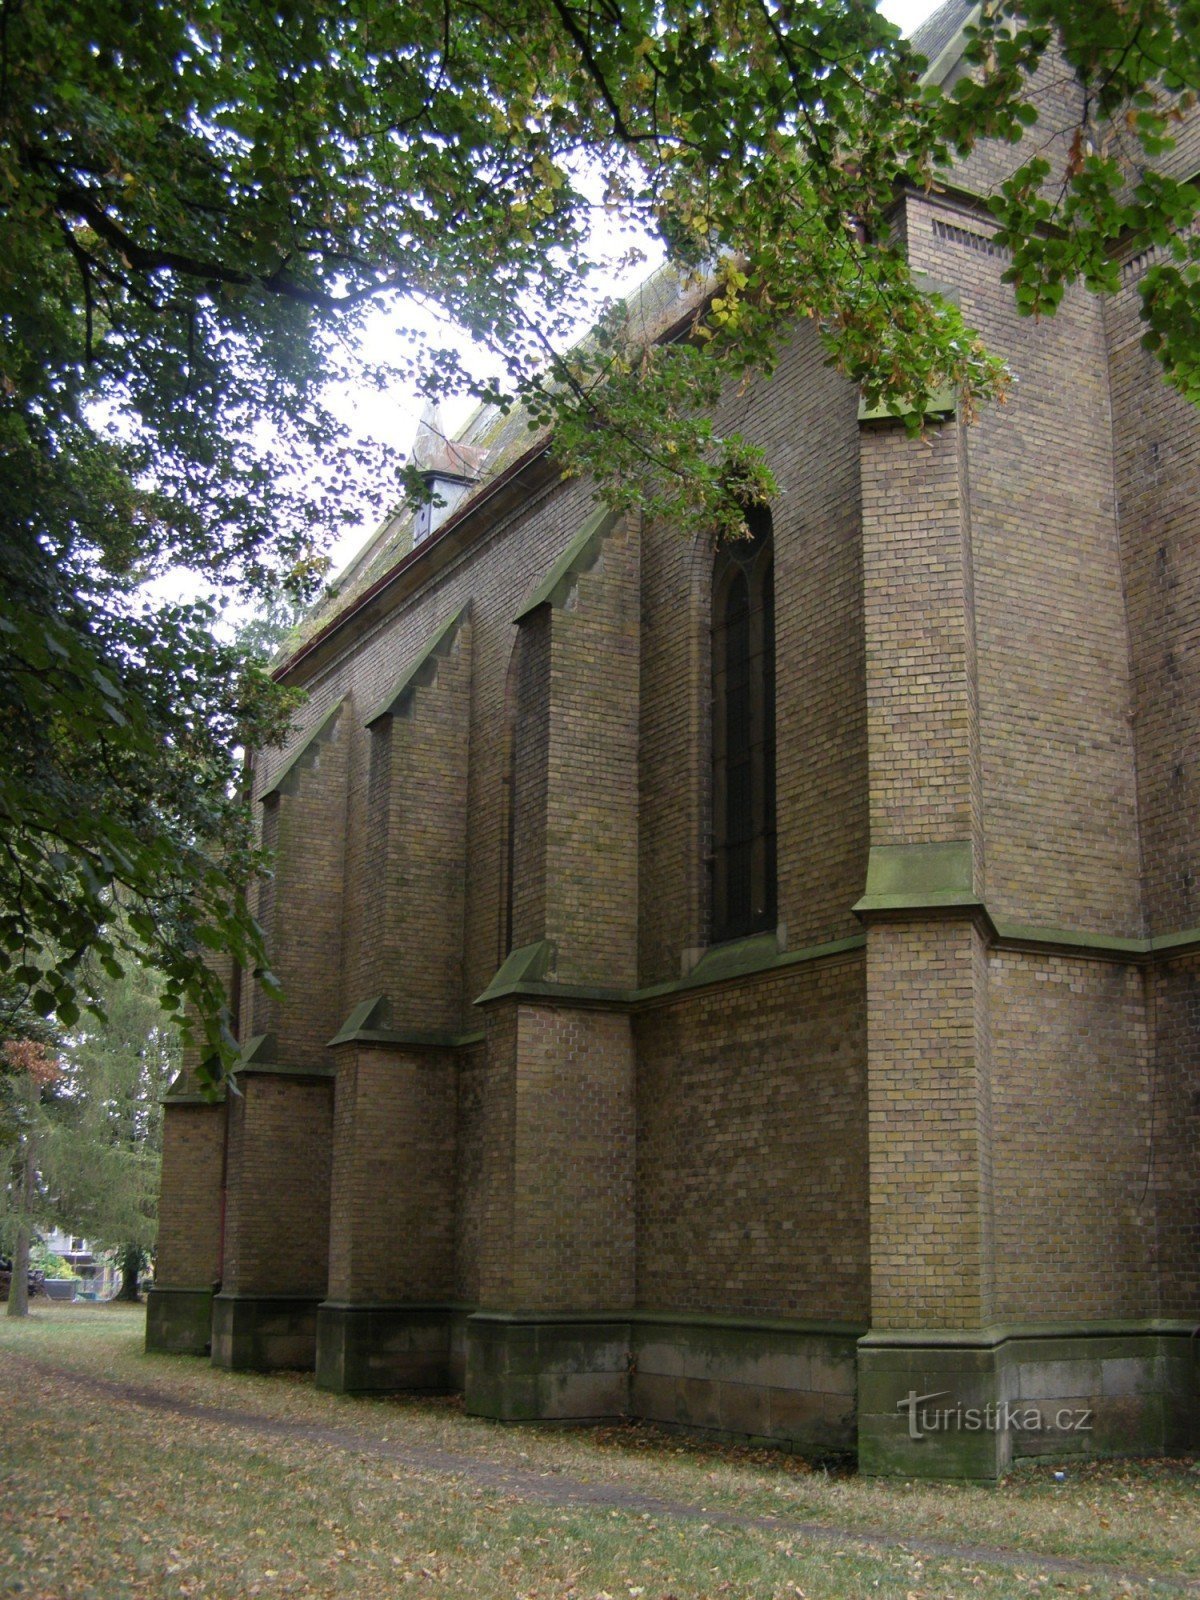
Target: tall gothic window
{"x": 743, "y": 656}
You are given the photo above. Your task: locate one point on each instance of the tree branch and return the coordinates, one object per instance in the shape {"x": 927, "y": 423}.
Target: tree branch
{"x": 154, "y": 258}
{"x": 583, "y": 45}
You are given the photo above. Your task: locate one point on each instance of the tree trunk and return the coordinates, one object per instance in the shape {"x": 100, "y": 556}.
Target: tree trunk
{"x": 18, "y": 1288}
{"x": 130, "y": 1257}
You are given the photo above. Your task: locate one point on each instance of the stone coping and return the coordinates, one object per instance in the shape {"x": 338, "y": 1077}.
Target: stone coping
{"x": 523, "y": 973}
{"x": 303, "y": 755}
{"x": 1163, "y": 947}
{"x": 448, "y": 1308}
{"x": 641, "y": 1316}
{"x": 904, "y": 876}
{"x": 941, "y": 405}
{"x": 370, "y": 1023}
{"x": 423, "y": 670}
{"x": 689, "y": 1319}
{"x": 276, "y": 1296}
{"x": 582, "y": 553}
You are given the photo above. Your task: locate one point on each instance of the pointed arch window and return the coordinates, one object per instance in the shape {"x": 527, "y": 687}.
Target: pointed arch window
{"x": 743, "y": 656}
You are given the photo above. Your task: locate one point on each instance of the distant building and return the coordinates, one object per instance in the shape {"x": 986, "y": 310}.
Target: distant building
{"x": 748, "y": 988}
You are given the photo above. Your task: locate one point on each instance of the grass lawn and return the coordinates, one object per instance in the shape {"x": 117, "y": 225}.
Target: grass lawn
{"x": 291, "y": 1492}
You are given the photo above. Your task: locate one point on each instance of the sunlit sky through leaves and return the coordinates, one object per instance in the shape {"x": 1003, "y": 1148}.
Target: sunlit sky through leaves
{"x": 393, "y": 417}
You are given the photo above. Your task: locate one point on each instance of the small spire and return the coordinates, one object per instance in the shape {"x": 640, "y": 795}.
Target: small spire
{"x": 435, "y": 452}
{"x": 448, "y": 468}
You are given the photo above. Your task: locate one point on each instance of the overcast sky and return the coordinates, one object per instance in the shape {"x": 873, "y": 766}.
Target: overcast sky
{"x": 393, "y": 417}
{"x": 908, "y": 14}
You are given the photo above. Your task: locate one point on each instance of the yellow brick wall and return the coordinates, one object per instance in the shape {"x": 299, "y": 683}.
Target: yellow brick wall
{"x": 1072, "y": 1097}
{"x": 188, "y": 1251}
{"x": 277, "y": 1199}
{"x": 930, "y": 1124}
{"x": 752, "y": 1152}
{"x": 392, "y": 1194}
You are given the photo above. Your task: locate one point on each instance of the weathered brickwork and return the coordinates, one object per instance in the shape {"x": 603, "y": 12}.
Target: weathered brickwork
{"x": 675, "y": 750}
{"x": 496, "y": 1117}
{"x": 1074, "y": 1138}
{"x": 575, "y": 1160}
{"x": 188, "y": 1253}
{"x": 409, "y": 944}
{"x": 305, "y": 829}
{"x": 592, "y": 771}
{"x": 559, "y": 1234}
{"x": 920, "y": 682}
{"x": 392, "y": 1197}
{"x": 1059, "y": 805}
{"x": 804, "y": 419}
{"x": 930, "y": 1126}
{"x": 472, "y": 1129}
{"x": 526, "y": 782}
{"x": 277, "y": 1195}
{"x": 1173, "y": 1140}
{"x": 522, "y": 1128}
{"x": 752, "y": 1154}
{"x": 1157, "y": 469}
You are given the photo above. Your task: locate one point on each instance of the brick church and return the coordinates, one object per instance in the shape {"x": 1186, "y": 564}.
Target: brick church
{"x": 747, "y": 987}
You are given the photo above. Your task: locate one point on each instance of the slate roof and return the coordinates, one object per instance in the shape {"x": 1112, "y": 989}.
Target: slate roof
{"x": 938, "y": 30}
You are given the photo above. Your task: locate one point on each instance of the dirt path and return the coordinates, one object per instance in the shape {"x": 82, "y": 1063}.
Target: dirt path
{"x": 557, "y": 1489}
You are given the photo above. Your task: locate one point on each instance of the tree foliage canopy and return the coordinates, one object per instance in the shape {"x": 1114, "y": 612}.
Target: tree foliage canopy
{"x": 198, "y": 204}
{"x": 102, "y": 1150}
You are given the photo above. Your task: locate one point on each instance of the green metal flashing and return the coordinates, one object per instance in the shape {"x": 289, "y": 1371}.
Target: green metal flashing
{"x": 1165, "y": 947}
{"x": 258, "y": 1050}
{"x": 525, "y": 966}
{"x": 369, "y": 1023}
{"x": 180, "y": 1093}
{"x": 304, "y": 755}
{"x": 273, "y": 1069}
{"x": 731, "y": 959}
{"x": 757, "y": 956}
{"x": 992, "y": 1337}
{"x": 581, "y": 554}
{"x": 902, "y": 877}
{"x": 1176, "y": 944}
{"x": 742, "y": 960}
{"x": 1012, "y": 933}
{"x": 371, "y": 1013}
{"x": 423, "y": 1307}
{"x": 940, "y": 405}
{"x": 258, "y": 1060}
{"x": 916, "y": 877}
{"x": 820, "y": 952}
{"x": 423, "y": 671}
{"x": 928, "y": 284}
{"x": 689, "y": 1319}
